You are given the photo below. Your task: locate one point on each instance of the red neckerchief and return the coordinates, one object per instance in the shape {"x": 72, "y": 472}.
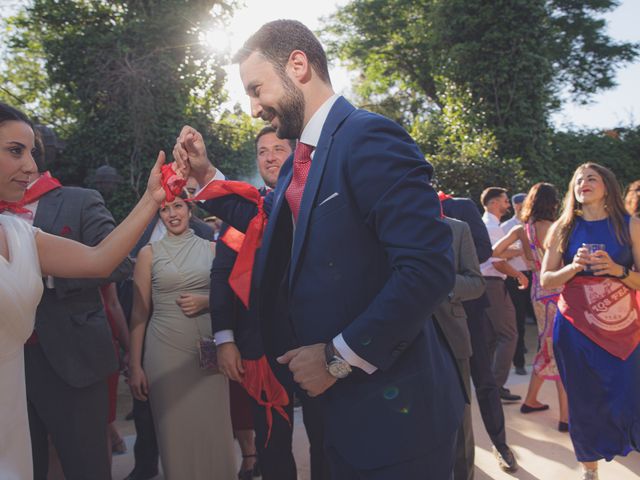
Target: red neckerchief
{"x": 240, "y": 278}
{"x": 442, "y": 197}
{"x": 172, "y": 183}
{"x": 44, "y": 184}
{"x": 233, "y": 239}
{"x": 258, "y": 379}
{"x": 605, "y": 310}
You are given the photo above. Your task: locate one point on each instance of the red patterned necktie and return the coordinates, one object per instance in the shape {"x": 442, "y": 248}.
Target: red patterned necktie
{"x": 301, "y": 166}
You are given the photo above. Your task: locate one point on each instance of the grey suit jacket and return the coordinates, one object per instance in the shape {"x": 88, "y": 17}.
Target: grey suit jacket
{"x": 469, "y": 284}
{"x": 71, "y": 323}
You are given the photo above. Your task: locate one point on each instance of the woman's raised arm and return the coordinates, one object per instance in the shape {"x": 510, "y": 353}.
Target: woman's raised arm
{"x": 65, "y": 258}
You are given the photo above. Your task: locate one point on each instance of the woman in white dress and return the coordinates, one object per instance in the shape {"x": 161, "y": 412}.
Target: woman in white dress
{"x": 26, "y": 255}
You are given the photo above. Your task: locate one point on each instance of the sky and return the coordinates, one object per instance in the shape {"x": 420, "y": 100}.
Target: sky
{"x": 616, "y": 107}
{"x": 619, "y": 106}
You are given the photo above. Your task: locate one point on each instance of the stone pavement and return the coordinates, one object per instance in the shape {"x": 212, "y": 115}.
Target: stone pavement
{"x": 542, "y": 452}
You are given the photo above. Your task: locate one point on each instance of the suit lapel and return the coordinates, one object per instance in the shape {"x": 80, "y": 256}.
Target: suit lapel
{"x": 47, "y": 211}
{"x": 340, "y": 110}
{"x": 286, "y": 173}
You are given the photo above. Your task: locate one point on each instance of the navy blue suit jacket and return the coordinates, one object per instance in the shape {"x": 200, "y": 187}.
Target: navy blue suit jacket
{"x": 372, "y": 263}
{"x": 466, "y": 210}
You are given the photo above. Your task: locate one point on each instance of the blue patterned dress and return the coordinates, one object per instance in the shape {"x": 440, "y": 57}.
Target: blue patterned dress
{"x": 603, "y": 390}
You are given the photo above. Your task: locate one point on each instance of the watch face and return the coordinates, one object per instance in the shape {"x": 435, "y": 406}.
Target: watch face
{"x": 339, "y": 368}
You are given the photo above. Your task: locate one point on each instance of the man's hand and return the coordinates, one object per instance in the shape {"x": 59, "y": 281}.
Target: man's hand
{"x": 230, "y": 361}
{"x": 192, "y": 304}
{"x": 190, "y": 154}
{"x": 522, "y": 280}
{"x": 309, "y": 368}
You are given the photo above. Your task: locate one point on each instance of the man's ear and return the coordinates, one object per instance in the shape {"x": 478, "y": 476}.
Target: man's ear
{"x": 298, "y": 66}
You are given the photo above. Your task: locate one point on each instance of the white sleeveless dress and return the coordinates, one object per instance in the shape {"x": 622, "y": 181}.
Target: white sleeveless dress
{"x": 20, "y": 292}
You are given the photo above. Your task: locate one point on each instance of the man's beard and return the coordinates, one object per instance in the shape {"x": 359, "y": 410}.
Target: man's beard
{"x": 290, "y": 112}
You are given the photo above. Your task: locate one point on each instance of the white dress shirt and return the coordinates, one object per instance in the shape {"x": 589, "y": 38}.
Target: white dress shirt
{"x": 495, "y": 234}
{"x": 518, "y": 262}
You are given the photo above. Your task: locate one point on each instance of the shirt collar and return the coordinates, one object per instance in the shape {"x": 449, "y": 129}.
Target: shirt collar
{"x": 311, "y": 133}
{"x": 491, "y": 218}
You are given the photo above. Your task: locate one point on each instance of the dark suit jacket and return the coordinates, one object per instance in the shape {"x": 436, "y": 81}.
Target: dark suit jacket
{"x": 71, "y": 322}
{"x": 372, "y": 263}
{"x": 470, "y": 284}
{"x": 466, "y": 210}
{"x": 227, "y": 311}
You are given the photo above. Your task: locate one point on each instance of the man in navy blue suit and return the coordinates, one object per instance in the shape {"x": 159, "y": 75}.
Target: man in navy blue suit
{"x": 354, "y": 260}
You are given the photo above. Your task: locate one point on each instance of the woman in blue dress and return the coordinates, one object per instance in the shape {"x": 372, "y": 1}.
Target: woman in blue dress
{"x": 597, "y": 329}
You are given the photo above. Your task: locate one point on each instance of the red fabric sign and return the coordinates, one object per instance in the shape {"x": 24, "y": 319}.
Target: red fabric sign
{"x": 605, "y": 310}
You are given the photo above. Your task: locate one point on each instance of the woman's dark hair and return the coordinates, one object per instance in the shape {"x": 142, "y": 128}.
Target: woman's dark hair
{"x": 9, "y": 114}
{"x": 541, "y": 203}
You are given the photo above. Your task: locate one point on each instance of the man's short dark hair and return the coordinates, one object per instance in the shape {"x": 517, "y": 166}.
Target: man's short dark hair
{"x": 276, "y": 40}
{"x": 269, "y": 129}
{"x": 490, "y": 193}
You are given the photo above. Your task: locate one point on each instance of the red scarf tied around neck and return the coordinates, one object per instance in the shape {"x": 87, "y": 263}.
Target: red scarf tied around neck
{"x": 44, "y": 184}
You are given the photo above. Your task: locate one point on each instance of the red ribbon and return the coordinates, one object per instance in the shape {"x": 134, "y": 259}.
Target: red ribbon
{"x": 233, "y": 239}
{"x": 259, "y": 378}
{"x": 172, "y": 183}
{"x": 240, "y": 278}
{"x": 442, "y": 197}
{"x": 44, "y": 184}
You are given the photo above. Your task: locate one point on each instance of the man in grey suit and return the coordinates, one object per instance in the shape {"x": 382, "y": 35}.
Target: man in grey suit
{"x": 71, "y": 354}
{"x": 452, "y": 320}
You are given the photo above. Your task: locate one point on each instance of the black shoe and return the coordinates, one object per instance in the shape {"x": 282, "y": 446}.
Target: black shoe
{"x": 135, "y": 475}
{"x": 506, "y": 459}
{"x": 563, "y": 427}
{"x": 521, "y": 371}
{"x": 507, "y": 396}
{"x": 524, "y": 408}
{"x": 252, "y": 472}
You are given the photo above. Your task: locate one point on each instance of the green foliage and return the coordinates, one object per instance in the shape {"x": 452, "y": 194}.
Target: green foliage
{"x": 617, "y": 149}
{"x": 237, "y": 131}
{"x": 121, "y": 78}
{"x": 462, "y": 151}
{"x": 514, "y": 57}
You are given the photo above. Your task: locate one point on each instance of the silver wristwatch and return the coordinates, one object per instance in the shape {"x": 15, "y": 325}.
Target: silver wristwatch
{"x": 337, "y": 366}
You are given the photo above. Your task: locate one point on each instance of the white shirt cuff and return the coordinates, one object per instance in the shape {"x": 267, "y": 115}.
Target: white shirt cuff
{"x": 218, "y": 176}
{"x": 351, "y": 357}
{"x": 223, "y": 336}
